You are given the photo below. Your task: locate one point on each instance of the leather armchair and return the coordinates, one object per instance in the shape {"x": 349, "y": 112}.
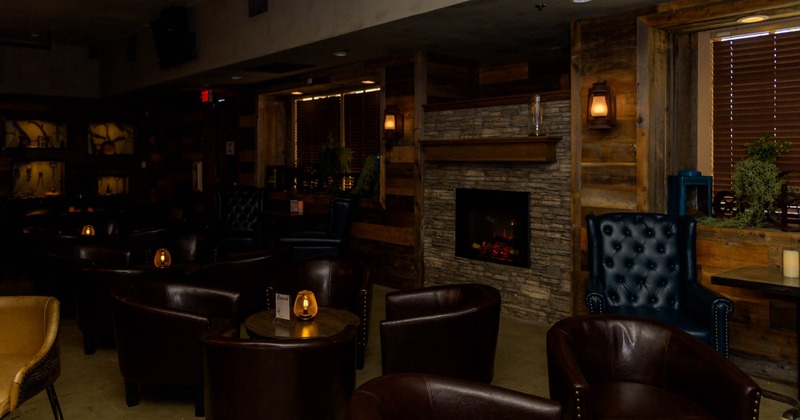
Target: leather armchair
{"x": 249, "y": 273}
{"x": 87, "y": 271}
{"x": 56, "y": 262}
{"x": 31, "y": 358}
{"x": 448, "y": 330}
{"x": 304, "y": 378}
{"x": 418, "y": 396}
{"x": 158, "y": 326}
{"x": 644, "y": 264}
{"x": 337, "y": 282}
{"x": 330, "y": 242}
{"x": 610, "y": 365}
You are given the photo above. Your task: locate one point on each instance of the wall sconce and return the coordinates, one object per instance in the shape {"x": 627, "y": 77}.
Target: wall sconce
{"x": 602, "y": 107}
{"x": 162, "y": 259}
{"x": 87, "y": 230}
{"x": 392, "y": 123}
{"x": 305, "y": 305}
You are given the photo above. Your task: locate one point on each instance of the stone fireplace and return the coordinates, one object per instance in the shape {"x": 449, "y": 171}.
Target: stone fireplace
{"x": 540, "y": 290}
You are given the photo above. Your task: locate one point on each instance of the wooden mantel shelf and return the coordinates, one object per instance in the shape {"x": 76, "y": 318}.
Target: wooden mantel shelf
{"x": 493, "y": 149}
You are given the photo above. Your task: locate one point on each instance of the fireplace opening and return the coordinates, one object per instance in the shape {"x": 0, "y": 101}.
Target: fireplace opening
{"x": 493, "y": 225}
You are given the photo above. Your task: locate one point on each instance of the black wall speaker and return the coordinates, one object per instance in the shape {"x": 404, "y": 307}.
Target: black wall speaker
{"x": 174, "y": 40}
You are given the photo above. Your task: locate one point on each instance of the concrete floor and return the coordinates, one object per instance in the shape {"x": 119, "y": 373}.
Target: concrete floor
{"x": 90, "y": 387}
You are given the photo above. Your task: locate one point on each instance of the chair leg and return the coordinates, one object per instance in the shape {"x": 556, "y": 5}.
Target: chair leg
{"x": 131, "y": 393}
{"x": 51, "y": 395}
{"x": 199, "y": 403}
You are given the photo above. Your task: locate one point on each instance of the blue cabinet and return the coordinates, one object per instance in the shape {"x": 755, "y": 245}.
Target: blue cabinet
{"x": 690, "y": 193}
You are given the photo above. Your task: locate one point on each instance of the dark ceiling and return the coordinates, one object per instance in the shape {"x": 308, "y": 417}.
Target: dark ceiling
{"x": 486, "y": 31}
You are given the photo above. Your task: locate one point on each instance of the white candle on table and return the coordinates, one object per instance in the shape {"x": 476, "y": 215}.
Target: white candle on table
{"x": 791, "y": 263}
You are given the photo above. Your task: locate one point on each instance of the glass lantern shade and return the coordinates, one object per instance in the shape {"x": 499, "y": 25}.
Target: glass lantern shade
{"x": 602, "y": 107}
{"x": 162, "y": 258}
{"x": 87, "y": 230}
{"x": 305, "y": 305}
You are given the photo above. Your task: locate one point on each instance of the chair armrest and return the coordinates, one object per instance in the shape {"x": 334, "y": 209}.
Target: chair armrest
{"x": 595, "y": 298}
{"x": 566, "y": 381}
{"x": 212, "y": 302}
{"x": 415, "y": 395}
{"x": 712, "y": 309}
{"x": 693, "y": 368}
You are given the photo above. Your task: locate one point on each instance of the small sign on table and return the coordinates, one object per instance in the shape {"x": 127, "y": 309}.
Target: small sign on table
{"x": 282, "y": 309}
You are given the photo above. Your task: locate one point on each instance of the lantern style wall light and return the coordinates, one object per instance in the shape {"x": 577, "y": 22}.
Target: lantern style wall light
{"x": 87, "y": 230}
{"x": 305, "y": 305}
{"x": 392, "y": 123}
{"x": 602, "y": 107}
{"x": 162, "y": 259}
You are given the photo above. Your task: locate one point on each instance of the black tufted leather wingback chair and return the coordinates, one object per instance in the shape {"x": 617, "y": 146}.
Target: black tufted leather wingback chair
{"x": 239, "y": 216}
{"x": 644, "y": 264}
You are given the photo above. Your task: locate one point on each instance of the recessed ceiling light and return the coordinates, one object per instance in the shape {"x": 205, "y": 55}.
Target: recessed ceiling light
{"x": 237, "y": 77}
{"x": 368, "y": 82}
{"x": 752, "y": 19}
{"x": 340, "y": 53}
{"x": 297, "y": 92}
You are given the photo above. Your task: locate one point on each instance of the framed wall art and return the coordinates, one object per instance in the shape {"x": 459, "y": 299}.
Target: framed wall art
{"x": 112, "y": 185}
{"x": 34, "y": 134}
{"x": 32, "y": 179}
{"x": 111, "y": 138}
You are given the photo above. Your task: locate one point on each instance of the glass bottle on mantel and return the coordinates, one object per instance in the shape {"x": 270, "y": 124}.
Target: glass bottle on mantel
{"x": 537, "y": 125}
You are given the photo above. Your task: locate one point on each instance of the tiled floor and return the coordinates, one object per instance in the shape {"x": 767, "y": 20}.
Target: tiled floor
{"x": 90, "y": 387}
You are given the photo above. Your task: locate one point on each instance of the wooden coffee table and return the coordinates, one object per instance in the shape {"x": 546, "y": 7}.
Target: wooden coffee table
{"x": 328, "y": 322}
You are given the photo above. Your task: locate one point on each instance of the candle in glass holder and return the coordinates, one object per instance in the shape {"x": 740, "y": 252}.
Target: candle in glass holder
{"x": 791, "y": 263}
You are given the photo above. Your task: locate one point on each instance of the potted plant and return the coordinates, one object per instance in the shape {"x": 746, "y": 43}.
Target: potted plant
{"x": 756, "y": 182}
{"x": 333, "y": 165}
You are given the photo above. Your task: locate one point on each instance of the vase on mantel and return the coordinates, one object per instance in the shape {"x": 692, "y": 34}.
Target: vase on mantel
{"x": 537, "y": 125}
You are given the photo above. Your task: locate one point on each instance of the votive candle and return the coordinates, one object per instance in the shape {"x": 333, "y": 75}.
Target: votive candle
{"x": 791, "y": 263}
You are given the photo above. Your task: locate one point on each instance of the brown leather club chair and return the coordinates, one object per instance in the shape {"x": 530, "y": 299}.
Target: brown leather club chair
{"x": 337, "y": 282}
{"x": 448, "y": 330}
{"x": 250, "y": 273}
{"x": 402, "y": 396}
{"x": 304, "y": 378}
{"x": 88, "y": 270}
{"x": 610, "y": 365}
{"x": 31, "y": 358}
{"x": 158, "y": 327}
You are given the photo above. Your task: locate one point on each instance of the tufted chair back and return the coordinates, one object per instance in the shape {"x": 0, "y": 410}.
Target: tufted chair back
{"x": 644, "y": 264}
{"x": 642, "y": 259}
{"x": 240, "y": 208}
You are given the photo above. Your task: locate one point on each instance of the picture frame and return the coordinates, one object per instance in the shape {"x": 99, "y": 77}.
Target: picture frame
{"x": 111, "y": 138}
{"x": 112, "y": 185}
{"x": 35, "y": 179}
{"x": 34, "y": 134}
